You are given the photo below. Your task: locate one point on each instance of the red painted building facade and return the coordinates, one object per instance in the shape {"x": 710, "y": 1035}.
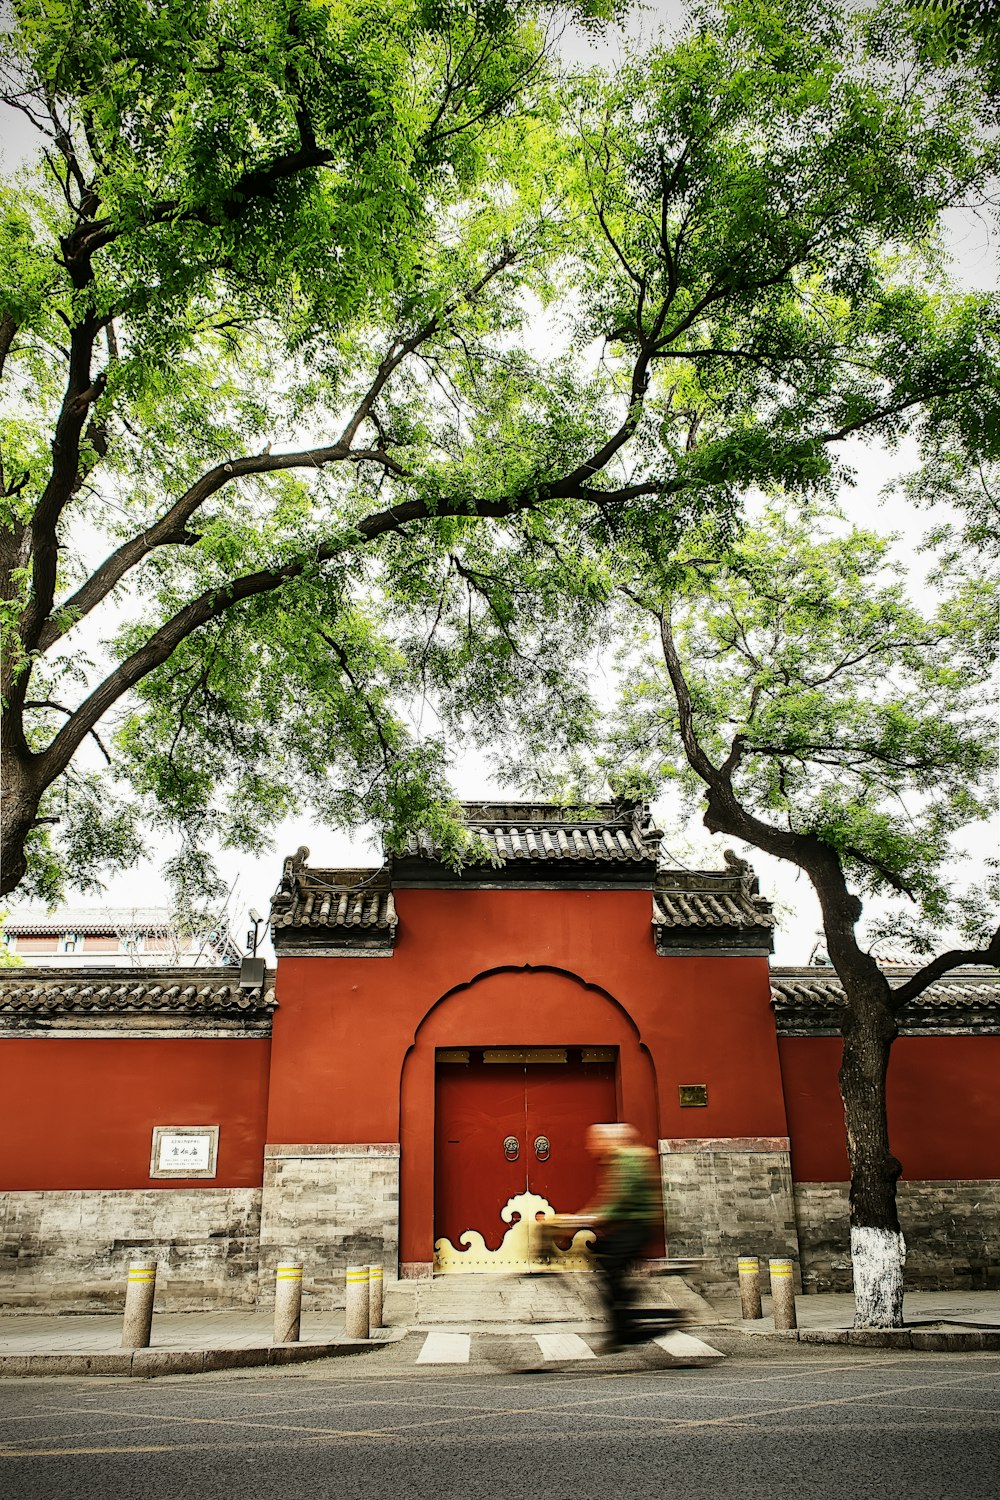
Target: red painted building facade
{"x": 431, "y": 1050}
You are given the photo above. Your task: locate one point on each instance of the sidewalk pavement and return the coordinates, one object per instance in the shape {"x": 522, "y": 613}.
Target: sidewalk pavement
{"x": 938, "y": 1321}
{"x": 182, "y": 1343}
{"x": 189, "y": 1343}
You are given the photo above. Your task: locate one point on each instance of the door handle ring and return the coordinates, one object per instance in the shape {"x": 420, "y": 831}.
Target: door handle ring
{"x": 511, "y": 1148}
{"x": 542, "y": 1147}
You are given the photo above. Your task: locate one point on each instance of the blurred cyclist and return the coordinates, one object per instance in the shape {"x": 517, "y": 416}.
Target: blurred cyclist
{"x": 625, "y": 1214}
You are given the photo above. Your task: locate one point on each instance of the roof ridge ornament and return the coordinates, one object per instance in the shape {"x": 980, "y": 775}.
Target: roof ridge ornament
{"x": 749, "y": 883}
{"x": 285, "y": 895}
{"x": 644, "y": 826}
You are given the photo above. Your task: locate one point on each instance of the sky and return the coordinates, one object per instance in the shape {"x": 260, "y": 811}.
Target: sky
{"x": 251, "y": 879}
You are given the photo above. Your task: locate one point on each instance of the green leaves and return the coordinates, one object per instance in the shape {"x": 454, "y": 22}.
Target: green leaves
{"x": 351, "y": 356}
{"x": 845, "y": 712}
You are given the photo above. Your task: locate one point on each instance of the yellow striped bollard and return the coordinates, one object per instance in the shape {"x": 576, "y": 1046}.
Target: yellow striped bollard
{"x": 783, "y": 1293}
{"x": 749, "y": 1267}
{"x": 139, "y": 1292}
{"x": 357, "y": 1311}
{"x": 287, "y": 1302}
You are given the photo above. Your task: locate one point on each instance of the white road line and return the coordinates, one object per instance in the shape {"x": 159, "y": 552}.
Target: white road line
{"x": 686, "y": 1346}
{"x": 445, "y": 1349}
{"x": 563, "y": 1346}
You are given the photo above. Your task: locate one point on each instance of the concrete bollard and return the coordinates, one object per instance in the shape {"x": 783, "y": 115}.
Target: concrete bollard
{"x": 356, "y": 1316}
{"x": 783, "y": 1293}
{"x": 750, "y": 1286}
{"x": 139, "y": 1292}
{"x": 287, "y": 1302}
{"x": 374, "y": 1297}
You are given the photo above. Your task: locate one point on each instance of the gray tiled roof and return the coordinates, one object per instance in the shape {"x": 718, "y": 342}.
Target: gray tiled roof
{"x": 714, "y": 910}
{"x": 544, "y": 833}
{"x": 40, "y": 993}
{"x": 340, "y": 908}
{"x": 710, "y": 907}
{"x": 318, "y": 903}
{"x": 811, "y": 999}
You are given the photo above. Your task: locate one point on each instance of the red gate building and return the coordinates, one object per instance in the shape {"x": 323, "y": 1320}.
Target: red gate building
{"x": 417, "y": 1078}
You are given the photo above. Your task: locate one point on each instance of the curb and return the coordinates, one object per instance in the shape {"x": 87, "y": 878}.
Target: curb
{"x": 930, "y": 1340}
{"x": 147, "y": 1364}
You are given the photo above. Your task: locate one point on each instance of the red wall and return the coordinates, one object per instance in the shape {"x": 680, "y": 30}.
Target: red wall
{"x": 944, "y": 1107}
{"x": 581, "y": 967}
{"x": 343, "y": 1025}
{"x": 79, "y": 1112}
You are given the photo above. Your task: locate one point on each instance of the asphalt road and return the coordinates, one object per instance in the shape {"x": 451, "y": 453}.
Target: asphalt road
{"x": 783, "y": 1423}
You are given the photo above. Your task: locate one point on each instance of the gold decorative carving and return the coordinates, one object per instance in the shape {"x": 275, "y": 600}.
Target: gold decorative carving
{"x": 523, "y": 1248}
{"x": 524, "y": 1055}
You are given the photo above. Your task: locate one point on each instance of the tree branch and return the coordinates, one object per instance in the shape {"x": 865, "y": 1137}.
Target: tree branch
{"x": 214, "y": 602}
{"x": 726, "y": 814}
{"x": 61, "y": 708}
{"x": 171, "y": 528}
{"x": 943, "y": 964}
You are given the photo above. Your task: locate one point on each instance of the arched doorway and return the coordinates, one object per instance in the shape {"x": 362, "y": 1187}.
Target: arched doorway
{"x": 504, "y": 1076}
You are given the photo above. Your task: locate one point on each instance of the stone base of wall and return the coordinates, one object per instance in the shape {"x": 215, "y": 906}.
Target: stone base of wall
{"x": 725, "y": 1198}
{"x": 952, "y": 1233}
{"x": 330, "y": 1207}
{"x": 69, "y": 1250}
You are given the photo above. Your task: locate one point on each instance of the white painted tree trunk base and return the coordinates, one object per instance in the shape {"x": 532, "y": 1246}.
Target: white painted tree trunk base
{"x": 878, "y": 1256}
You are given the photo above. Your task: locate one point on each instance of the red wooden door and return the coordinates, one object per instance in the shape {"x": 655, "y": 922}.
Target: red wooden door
{"x": 506, "y": 1127}
{"x": 561, "y": 1101}
{"x": 477, "y": 1109}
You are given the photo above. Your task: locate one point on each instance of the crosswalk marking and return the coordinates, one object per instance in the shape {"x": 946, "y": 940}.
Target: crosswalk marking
{"x": 563, "y": 1346}
{"x": 686, "y": 1346}
{"x": 440, "y": 1348}
{"x": 445, "y": 1349}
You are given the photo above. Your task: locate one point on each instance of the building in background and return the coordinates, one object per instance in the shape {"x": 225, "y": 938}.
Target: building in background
{"x": 112, "y": 937}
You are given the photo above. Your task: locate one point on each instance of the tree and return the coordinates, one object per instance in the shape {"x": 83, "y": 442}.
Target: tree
{"x": 246, "y": 223}
{"x": 827, "y": 720}
{"x": 278, "y": 462}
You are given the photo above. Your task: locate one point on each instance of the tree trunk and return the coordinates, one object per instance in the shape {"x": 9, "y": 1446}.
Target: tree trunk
{"x": 19, "y": 797}
{"x": 878, "y": 1251}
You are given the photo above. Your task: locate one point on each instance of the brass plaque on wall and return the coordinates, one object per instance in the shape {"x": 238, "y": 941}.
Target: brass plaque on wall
{"x": 693, "y": 1095}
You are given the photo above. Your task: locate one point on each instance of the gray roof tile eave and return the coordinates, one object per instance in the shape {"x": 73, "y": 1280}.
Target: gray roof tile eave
{"x": 117, "y": 992}
{"x": 684, "y": 909}
{"x": 801, "y": 989}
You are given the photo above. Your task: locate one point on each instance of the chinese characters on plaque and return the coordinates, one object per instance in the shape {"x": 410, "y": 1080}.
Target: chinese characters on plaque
{"x": 184, "y": 1151}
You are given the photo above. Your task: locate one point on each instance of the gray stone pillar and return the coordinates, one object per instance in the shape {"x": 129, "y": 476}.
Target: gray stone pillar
{"x": 139, "y": 1293}
{"x": 287, "y": 1302}
{"x": 783, "y": 1293}
{"x": 722, "y": 1194}
{"x": 356, "y": 1317}
{"x": 329, "y": 1206}
{"x": 749, "y": 1270}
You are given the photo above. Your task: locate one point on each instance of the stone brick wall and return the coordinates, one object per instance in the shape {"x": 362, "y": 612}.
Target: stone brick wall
{"x": 725, "y": 1198}
{"x": 952, "y": 1232}
{"x": 330, "y": 1206}
{"x": 70, "y": 1249}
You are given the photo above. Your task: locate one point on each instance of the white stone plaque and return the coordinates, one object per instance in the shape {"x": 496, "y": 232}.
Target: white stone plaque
{"x": 184, "y": 1151}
